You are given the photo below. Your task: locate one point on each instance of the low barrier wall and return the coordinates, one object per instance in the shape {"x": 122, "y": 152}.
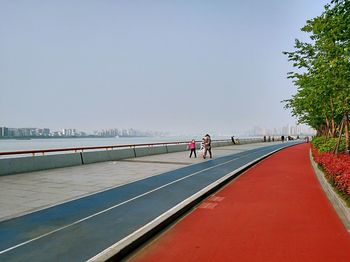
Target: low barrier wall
{"x": 108, "y": 155}
{"x": 176, "y": 148}
{"x": 9, "y": 166}
{"x": 152, "y": 150}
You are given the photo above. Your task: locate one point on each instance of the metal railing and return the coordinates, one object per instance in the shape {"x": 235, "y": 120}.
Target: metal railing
{"x": 82, "y": 149}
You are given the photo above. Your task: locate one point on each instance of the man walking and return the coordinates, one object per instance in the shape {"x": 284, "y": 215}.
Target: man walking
{"x": 207, "y": 146}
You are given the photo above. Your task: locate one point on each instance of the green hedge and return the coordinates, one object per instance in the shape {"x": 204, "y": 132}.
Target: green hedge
{"x": 324, "y": 144}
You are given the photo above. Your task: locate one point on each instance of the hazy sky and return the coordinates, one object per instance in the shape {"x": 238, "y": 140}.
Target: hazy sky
{"x": 178, "y": 66}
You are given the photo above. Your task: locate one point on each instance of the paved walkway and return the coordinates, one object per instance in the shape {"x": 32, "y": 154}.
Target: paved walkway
{"x": 102, "y": 224}
{"x": 276, "y": 211}
{"x": 28, "y": 192}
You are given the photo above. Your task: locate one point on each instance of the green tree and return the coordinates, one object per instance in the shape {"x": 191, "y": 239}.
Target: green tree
{"x": 323, "y": 85}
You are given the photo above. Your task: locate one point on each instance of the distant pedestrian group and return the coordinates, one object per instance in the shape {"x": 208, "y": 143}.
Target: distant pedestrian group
{"x": 204, "y": 149}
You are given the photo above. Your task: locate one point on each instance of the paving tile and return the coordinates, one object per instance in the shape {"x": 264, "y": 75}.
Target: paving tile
{"x": 27, "y": 192}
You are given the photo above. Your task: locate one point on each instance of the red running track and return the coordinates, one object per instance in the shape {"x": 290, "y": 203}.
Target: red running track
{"x": 276, "y": 211}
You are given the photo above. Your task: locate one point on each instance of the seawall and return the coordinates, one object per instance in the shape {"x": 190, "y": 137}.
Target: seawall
{"x": 15, "y": 165}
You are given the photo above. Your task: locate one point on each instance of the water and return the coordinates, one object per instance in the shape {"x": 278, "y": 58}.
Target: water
{"x": 7, "y": 145}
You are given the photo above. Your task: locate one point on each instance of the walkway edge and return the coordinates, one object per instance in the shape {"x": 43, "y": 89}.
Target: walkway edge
{"x": 339, "y": 205}
{"x": 122, "y": 247}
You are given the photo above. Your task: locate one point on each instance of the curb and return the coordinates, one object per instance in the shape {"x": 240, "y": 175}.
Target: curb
{"x": 126, "y": 245}
{"x": 339, "y": 205}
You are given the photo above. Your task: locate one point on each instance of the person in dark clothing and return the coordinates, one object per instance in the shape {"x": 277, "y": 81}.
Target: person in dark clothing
{"x": 207, "y": 146}
{"x": 233, "y": 140}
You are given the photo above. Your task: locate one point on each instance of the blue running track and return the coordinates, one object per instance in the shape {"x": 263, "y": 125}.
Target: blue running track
{"x": 80, "y": 229}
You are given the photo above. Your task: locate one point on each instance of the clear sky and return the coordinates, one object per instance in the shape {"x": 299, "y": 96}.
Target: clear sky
{"x": 184, "y": 66}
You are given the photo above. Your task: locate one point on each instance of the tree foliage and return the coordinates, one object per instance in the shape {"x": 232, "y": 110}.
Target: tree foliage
{"x": 322, "y": 72}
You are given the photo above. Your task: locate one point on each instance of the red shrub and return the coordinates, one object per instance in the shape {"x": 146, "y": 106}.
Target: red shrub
{"x": 337, "y": 168}
{"x": 343, "y": 182}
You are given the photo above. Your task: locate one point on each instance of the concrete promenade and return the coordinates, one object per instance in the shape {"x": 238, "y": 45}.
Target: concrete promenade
{"x": 28, "y": 192}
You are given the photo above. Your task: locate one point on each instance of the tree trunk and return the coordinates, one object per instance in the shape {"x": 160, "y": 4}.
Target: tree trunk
{"x": 334, "y": 132}
{"x": 333, "y": 129}
{"x": 336, "y": 149}
{"x": 327, "y": 128}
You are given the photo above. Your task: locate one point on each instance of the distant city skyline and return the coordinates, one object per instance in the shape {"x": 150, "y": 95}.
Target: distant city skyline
{"x": 181, "y": 67}
{"x": 8, "y": 132}
{"x": 287, "y": 130}
{"x": 125, "y": 132}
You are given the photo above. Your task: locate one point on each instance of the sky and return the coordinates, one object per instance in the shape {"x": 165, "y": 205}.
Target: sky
{"x": 184, "y": 67}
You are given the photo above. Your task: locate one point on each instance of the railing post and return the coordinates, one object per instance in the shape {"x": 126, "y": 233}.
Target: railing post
{"x": 81, "y": 157}
{"x": 134, "y": 151}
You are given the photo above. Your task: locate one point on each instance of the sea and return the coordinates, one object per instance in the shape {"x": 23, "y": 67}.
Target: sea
{"x": 9, "y": 145}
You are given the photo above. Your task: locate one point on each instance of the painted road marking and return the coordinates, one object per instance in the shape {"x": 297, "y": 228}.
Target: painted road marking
{"x": 156, "y": 162}
{"x": 207, "y": 205}
{"x": 120, "y": 204}
{"x": 216, "y": 198}
{"x": 232, "y": 158}
{"x": 121, "y": 244}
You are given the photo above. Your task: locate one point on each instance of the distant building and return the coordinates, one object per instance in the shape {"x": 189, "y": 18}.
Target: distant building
{"x": 287, "y": 130}
{"x": 6, "y": 131}
{"x": 72, "y": 132}
{"x": 46, "y": 131}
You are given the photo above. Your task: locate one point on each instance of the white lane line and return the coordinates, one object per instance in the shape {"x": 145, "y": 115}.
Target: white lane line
{"x": 120, "y": 204}
{"x": 121, "y": 244}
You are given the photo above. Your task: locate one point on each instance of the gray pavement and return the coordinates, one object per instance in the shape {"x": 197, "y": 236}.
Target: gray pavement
{"x": 28, "y": 192}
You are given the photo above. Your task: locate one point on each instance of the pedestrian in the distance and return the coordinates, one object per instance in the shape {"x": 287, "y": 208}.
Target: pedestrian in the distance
{"x": 192, "y": 146}
{"x": 201, "y": 150}
{"x": 233, "y": 140}
{"x": 207, "y": 146}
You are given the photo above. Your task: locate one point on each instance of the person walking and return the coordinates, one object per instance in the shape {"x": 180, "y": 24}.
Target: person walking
{"x": 207, "y": 146}
{"x": 192, "y": 146}
{"x": 201, "y": 149}
{"x": 233, "y": 140}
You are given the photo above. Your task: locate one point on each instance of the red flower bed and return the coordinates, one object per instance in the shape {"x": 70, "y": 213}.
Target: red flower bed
{"x": 337, "y": 168}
